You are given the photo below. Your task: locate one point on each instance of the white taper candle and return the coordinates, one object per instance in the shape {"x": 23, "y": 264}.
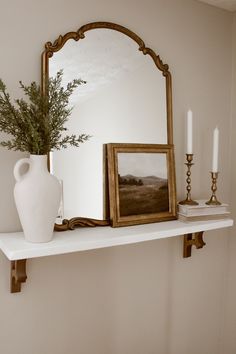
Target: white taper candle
{"x": 190, "y": 132}
{"x": 215, "y": 150}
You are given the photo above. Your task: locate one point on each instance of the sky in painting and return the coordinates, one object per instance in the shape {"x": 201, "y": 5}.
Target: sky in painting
{"x": 142, "y": 164}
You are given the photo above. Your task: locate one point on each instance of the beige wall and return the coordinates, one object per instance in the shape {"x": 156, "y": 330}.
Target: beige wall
{"x": 230, "y": 315}
{"x": 140, "y": 298}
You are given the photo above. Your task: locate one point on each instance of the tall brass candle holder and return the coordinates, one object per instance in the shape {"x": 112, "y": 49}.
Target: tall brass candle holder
{"x": 213, "y": 200}
{"x": 189, "y": 164}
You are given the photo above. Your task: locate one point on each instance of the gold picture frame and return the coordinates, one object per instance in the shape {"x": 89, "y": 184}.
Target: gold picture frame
{"x": 141, "y": 183}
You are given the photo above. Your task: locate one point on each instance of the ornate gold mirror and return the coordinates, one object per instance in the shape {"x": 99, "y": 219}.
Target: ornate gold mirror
{"x": 127, "y": 98}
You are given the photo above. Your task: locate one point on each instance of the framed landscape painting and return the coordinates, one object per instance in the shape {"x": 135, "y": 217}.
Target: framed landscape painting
{"x": 141, "y": 183}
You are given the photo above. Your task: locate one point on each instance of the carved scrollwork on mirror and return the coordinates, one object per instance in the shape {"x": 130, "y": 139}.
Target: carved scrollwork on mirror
{"x": 127, "y": 99}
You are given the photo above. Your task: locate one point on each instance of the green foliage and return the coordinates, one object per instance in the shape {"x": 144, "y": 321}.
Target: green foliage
{"x": 37, "y": 125}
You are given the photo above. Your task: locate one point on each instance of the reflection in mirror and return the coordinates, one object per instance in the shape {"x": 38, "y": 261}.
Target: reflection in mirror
{"x": 123, "y": 101}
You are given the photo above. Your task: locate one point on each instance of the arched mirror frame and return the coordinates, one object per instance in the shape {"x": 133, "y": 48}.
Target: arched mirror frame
{"x": 51, "y": 48}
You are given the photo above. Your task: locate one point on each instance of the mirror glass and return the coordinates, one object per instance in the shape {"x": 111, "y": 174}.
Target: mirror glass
{"x": 123, "y": 101}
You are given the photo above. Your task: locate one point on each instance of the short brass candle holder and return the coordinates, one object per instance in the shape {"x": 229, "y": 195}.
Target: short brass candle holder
{"x": 213, "y": 200}
{"x": 189, "y": 164}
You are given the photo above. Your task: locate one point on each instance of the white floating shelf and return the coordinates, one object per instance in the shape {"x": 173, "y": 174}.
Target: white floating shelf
{"x": 16, "y": 248}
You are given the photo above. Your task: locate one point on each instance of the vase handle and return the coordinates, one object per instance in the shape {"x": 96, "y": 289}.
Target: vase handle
{"x": 16, "y": 171}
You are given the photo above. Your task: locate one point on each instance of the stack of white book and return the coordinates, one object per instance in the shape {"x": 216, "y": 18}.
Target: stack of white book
{"x": 202, "y": 211}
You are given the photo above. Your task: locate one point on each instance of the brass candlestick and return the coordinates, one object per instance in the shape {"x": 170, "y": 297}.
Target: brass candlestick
{"x": 213, "y": 200}
{"x": 189, "y": 164}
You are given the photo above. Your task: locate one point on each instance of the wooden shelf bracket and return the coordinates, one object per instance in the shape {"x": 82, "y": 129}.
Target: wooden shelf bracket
{"x": 18, "y": 275}
{"x": 193, "y": 239}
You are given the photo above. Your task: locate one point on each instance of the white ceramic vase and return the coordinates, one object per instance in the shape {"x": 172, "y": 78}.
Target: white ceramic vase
{"x": 37, "y": 196}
